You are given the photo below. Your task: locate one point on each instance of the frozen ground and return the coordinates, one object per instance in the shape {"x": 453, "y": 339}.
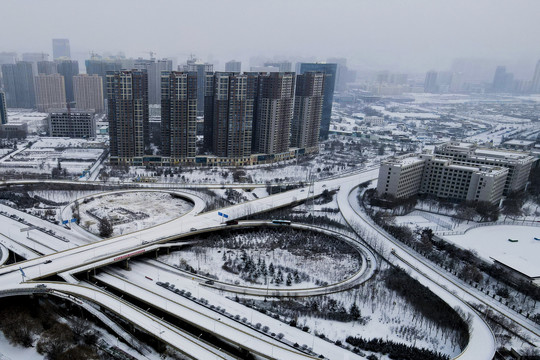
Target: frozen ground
{"x": 14, "y": 352}
{"x": 245, "y": 259}
{"x": 491, "y": 242}
{"x": 383, "y": 315}
{"x": 132, "y": 211}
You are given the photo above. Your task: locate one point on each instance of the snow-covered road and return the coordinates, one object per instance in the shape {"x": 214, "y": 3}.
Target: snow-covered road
{"x": 482, "y": 343}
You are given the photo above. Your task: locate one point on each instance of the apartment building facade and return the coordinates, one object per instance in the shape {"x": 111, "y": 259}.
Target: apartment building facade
{"x": 178, "y": 115}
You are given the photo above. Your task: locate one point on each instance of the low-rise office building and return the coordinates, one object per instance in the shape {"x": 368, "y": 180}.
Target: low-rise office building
{"x": 74, "y": 123}
{"x": 457, "y": 172}
{"x": 519, "y": 164}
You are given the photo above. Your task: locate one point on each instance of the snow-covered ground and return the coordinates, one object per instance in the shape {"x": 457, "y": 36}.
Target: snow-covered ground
{"x": 15, "y": 352}
{"x": 132, "y": 211}
{"x": 299, "y": 254}
{"x": 491, "y": 242}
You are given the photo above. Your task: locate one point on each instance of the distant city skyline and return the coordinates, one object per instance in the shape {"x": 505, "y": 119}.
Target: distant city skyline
{"x": 413, "y": 36}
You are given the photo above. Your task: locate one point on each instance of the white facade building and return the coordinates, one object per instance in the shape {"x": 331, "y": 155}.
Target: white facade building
{"x": 456, "y": 171}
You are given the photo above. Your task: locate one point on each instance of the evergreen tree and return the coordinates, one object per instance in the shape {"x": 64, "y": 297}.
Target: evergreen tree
{"x": 105, "y": 227}
{"x": 355, "y": 312}
{"x": 296, "y": 277}
{"x": 289, "y": 279}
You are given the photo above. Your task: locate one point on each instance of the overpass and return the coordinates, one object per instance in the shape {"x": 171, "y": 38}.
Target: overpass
{"x": 481, "y": 345}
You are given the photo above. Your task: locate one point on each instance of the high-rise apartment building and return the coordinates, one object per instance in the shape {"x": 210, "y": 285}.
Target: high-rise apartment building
{"x": 208, "y": 124}
{"x": 282, "y": 66}
{"x": 330, "y": 70}
{"x": 344, "y": 75}
{"x": 50, "y": 92}
{"x": 233, "y": 66}
{"x": 3, "y": 108}
{"x": 8, "y": 58}
{"x": 88, "y": 92}
{"x": 47, "y": 67}
{"x": 231, "y": 115}
{"x": 178, "y": 116}
{"x": 100, "y": 67}
{"x": 275, "y": 107}
{"x": 499, "y": 79}
{"x": 68, "y": 69}
{"x": 34, "y": 58}
{"x": 18, "y": 80}
{"x": 430, "y": 83}
{"x": 61, "y": 49}
{"x": 154, "y": 68}
{"x": 128, "y": 113}
{"x": 308, "y": 104}
{"x": 535, "y": 88}
{"x": 194, "y": 65}
{"x": 73, "y": 123}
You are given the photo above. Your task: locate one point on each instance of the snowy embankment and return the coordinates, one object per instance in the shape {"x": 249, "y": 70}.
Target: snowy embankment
{"x": 4, "y": 254}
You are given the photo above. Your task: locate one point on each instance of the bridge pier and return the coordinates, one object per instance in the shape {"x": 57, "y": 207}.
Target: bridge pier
{"x": 157, "y": 253}
{"x": 126, "y": 264}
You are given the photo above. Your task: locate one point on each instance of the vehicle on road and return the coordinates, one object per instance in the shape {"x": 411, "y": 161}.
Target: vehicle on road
{"x": 41, "y": 286}
{"x": 281, "y": 222}
{"x": 209, "y": 282}
{"x": 193, "y": 229}
{"x": 48, "y": 262}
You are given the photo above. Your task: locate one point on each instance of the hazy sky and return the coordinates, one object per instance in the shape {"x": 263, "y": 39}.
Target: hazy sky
{"x": 407, "y": 35}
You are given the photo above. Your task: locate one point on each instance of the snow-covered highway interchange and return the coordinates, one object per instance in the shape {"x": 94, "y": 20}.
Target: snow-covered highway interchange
{"x": 84, "y": 253}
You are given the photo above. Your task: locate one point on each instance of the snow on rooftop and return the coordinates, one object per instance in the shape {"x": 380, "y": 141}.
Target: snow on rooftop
{"x": 410, "y": 160}
{"x": 498, "y": 153}
{"x": 491, "y": 242}
{"x": 519, "y": 142}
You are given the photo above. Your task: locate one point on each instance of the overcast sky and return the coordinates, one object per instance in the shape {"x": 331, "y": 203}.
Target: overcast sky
{"x": 401, "y": 35}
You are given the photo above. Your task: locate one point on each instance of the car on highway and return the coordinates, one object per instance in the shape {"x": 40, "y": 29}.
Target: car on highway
{"x": 193, "y": 229}
{"x": 209, "y": 282}
{"x": 48, "y": 262}
{"x": 41, "y": 286}
{"x": 281, "y": 222}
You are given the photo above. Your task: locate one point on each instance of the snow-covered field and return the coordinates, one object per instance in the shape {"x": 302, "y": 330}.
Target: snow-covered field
{"x": 132, "y": 211}
{"x": 14, "y": 352}
{"x": 492, "y": 242}
{"x": 257, "y": 259}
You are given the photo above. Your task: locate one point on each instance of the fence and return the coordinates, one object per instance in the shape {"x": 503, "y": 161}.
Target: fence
{"x": 492, "y": 223}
